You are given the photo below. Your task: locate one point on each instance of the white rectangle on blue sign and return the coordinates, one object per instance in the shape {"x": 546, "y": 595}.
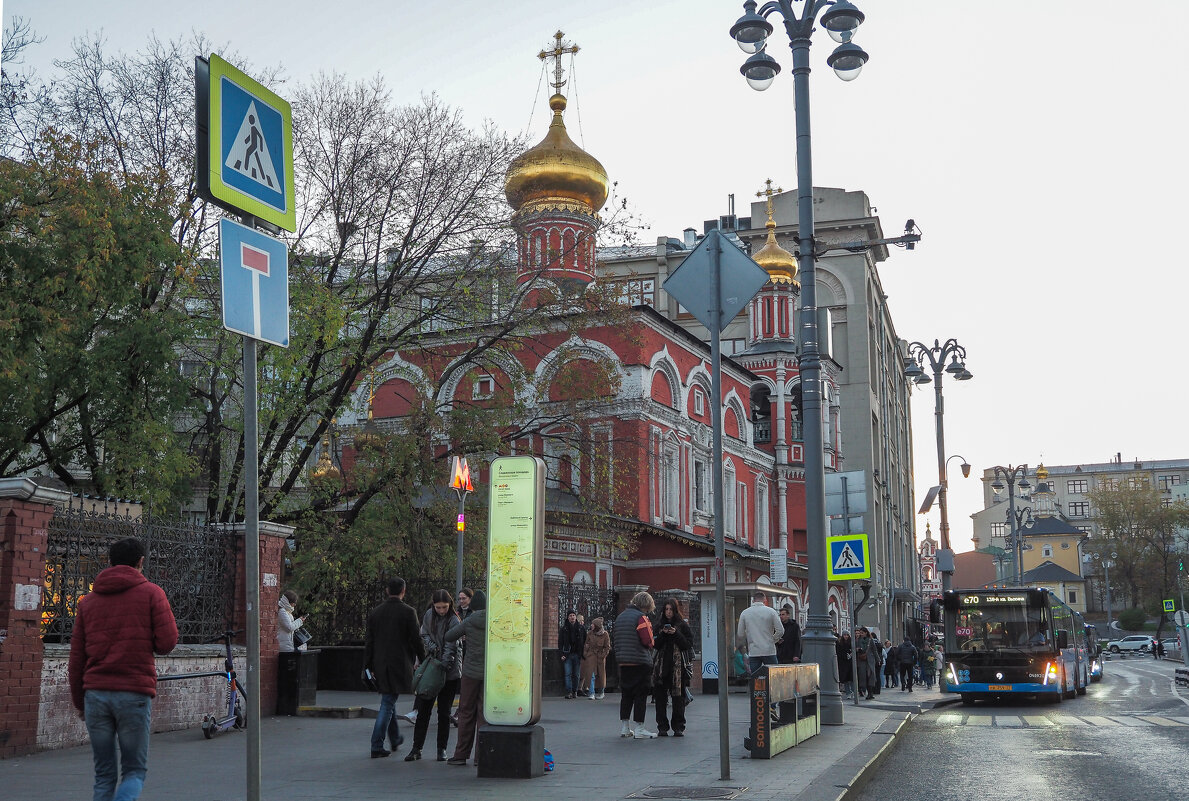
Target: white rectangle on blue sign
{"x": 255, "y": 283}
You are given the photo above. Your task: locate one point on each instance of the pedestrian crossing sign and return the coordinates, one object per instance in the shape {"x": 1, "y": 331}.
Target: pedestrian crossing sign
{"x": 249, "y": 164}
{"x": 847, "y": 557}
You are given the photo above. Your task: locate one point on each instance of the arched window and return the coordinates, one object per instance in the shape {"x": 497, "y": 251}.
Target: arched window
{"x": 728, "y": 487}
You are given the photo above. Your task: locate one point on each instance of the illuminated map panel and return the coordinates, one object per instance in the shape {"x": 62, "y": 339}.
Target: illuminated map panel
{"x": 515, "y": 562}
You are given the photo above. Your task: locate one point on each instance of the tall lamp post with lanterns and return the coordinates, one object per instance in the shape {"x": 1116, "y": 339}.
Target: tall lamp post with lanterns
{"x": 460, "y": 482}
{"x": 751, "y": 32}
{"x": 1107, "y": 560}
{"x": 1014, "y": 476}
{"x": 935, "y": 357}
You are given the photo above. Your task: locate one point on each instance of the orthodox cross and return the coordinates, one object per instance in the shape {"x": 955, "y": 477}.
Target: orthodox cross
{"x": 768, "y": 192}
{"x": 560, "y": 48}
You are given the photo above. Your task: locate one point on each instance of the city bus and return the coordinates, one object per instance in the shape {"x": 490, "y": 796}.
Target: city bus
{"x": 1013, "y": 642}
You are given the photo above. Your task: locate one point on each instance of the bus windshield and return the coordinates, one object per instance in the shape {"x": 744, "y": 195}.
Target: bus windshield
{"x": 982, "y": 626}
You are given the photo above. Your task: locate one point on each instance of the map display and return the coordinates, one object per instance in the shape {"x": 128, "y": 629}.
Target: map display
{"x": 515, "y": 562}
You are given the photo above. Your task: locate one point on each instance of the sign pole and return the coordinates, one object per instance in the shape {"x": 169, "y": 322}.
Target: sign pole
{"x": 720, "y": 550}
{"x": 252, "y": 566}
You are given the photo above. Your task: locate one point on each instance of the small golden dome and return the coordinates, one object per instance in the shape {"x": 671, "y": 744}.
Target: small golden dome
{"x": 780, "y": 264}
{"x": 1042, "y": 472}
{"x": 325, "y": 468}
{"x": 556, "y": 173}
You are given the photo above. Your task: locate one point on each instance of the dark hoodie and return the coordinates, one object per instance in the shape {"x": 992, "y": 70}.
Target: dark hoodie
{"x": 118, "y": 627}
{"x": 474, "y": 628}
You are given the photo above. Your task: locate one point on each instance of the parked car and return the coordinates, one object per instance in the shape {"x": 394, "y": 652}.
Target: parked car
{"x": 1132, "y": 642}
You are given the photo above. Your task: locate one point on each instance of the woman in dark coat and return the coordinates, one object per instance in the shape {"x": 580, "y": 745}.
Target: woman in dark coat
{"x": 434, "y": 624}
{"x": 669, "y": 671}
{"x": 845, "y": 672}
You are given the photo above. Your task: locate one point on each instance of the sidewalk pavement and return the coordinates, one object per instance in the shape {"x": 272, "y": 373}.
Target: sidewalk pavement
{"x": 327, "y": 757}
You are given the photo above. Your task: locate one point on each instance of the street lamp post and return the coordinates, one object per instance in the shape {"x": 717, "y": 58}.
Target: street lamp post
{"x": 1013, "y": 476}
{"x": 1107, "y": 560}
{"x": 751, "y": 31}
{"x": 1017, "y": 520}
{"x": 919, "y": 355}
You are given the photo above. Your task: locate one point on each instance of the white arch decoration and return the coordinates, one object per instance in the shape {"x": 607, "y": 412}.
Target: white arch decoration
{"x": 575, "y": 348}
{"x": 396, "y": 367}
{"x": 662, "y": 362}
{"x": 456, "y": 371}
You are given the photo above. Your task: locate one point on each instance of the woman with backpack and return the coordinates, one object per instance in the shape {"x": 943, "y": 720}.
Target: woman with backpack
{"x": 438, "y": 619}
{"x": 670, "y": 676}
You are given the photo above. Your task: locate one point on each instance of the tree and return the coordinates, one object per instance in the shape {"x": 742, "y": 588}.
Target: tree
{"x": 88, "y": 278}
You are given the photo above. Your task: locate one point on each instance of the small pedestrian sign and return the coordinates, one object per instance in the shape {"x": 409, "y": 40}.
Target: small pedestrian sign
{"x": 848, "y": 557}
{"x": 1169, "y": 606}
{"x": 249, "y": 151}
{"x": 255, "y": 283}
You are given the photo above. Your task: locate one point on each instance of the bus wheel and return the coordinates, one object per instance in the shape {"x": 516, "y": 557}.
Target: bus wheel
{"x": 1081, "y": 690}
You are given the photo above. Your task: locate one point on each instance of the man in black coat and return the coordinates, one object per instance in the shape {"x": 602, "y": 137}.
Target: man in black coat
{"x": 571, "y": 641}
{"x": 392, "y": 644}
{"x": 788, "y": 650}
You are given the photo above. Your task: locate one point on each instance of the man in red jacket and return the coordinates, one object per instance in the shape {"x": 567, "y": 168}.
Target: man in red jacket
{"x": 113, "y": 675}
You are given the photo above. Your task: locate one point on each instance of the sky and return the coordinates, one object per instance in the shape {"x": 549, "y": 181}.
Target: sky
{"x": 1038, "y": 146}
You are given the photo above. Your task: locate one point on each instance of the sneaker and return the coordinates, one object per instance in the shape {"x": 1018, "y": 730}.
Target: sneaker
{"x": 380, "y": 754}
{"x": 662, "y": 734}
{"x": 642, "y": 733}
{"x": 592, "y": 697}
{"x": 678, "y": 734}
{"x": 626, "y": 731}
{"x": 569, "y": 695}
{"x": 456, "y": 762}
{"x": 409, "y": 717}
{"x": 599, "y": 697}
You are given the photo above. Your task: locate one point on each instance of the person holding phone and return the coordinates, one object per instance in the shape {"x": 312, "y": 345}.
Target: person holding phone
{"x": 670, "y": 679}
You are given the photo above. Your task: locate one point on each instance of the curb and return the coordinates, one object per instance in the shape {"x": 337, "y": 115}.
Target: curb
{"x": 854, "y": 770}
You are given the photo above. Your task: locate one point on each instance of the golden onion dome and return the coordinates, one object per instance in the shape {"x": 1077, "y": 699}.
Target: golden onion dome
{"x": 325, "y": 468}
{"x": 556, "y": 173}
{"x": 780, "y": 264}
{"x": 1042, "y": 472}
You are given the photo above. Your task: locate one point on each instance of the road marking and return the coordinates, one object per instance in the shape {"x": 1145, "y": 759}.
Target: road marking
{"x": 949, "y": 719}
{"x": 1038, "y": 720}
{"x": 1096, "y": 720}
{"x": 1067, "y": 720}
{"x": 980, "y": 720}
{"x": 1159, "y": 721}
{"x": 1008, "y": 721}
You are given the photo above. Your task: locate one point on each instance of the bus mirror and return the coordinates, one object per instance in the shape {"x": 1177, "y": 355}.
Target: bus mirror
{"x": 935, "y": 611}
{"x": 1062, "y": 638}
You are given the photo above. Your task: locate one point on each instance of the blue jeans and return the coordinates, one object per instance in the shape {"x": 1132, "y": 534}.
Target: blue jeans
{"x": 573, "y": 665}
{"x": 386, "y": 723}
{"x": 118, "y": 723}
{"x": 754, "y": 662}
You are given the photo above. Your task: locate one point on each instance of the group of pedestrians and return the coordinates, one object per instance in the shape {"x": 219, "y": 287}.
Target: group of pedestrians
{"x": 395, "y": 641}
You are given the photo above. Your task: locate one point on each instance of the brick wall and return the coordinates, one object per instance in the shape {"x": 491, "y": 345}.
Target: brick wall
{"x": 179, "y": 704}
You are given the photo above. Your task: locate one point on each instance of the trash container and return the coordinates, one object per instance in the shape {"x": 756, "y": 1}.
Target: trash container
{"x": 297, "y": 681}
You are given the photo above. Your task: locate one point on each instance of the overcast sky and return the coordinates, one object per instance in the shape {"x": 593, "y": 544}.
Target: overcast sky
{"x": 1040, "y": 156}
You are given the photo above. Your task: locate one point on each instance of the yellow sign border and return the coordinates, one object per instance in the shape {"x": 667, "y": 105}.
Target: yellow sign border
{"x": 830, "y": 575}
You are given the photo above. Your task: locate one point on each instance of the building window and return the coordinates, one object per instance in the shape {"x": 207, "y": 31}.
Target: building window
{"x": 1088, "y": 530}
{"x": 1046, "y": 551}
{"x": 728, "y": 511}
{"x": 637, "y": 292}
{"x": 998, "y": 530}
{"x": 1079, "y": 508}
{"x": 699, "y": 402}
{"x": 672, "y": 485}
{"x": 762, "y": 514}
{"x": 483, "y": 388}
{"x": 1169, "y": 481}
{"x": 741, "y": 494}
{"x": 1077, "y": 486}
{"x": 1073, "y": 596}
{"x": 700, "y": 485}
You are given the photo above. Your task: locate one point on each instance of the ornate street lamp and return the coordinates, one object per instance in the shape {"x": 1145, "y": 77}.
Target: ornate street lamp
{"x": 935, "y": 357}
{"x": 1014, "y": 476}
{"x": 751, "y": 32}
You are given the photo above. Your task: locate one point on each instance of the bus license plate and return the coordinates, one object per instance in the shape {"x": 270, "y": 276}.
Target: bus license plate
{"x": 1002, "y": 687}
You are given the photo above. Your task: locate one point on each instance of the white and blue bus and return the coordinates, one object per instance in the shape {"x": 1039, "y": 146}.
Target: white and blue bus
{"x": 1006, "y": 642}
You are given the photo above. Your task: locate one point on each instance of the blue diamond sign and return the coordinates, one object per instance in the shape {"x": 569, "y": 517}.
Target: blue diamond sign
{"x": 249, "y": 154}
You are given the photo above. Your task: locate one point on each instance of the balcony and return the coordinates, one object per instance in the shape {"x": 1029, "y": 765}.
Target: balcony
{"x": 763, "y": 431}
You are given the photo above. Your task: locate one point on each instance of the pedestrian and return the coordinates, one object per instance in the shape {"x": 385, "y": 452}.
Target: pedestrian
{"x": 842, "y": 650}
{"x": 759, "y": 627}
{"x": 906, "y": 656}
{"x": 891, "y": 665}
{"x": 286, "y": 623}
{"x": 594, "y": 659}
{"x": 1159, "y": 649}
{"x": 788, "y": 648}
{"x": 392, "y": 642}
{"x": 118, "y": 627}
{"x": 868, "y": 663}
{"x": 939, "y": 657}
{"x": 571, "y": 641}
{"x": 470, "y": 696}
{"x": 464, "y": 602}
{"x": 634, "y": 644}
{"x": 437, "y": 620}
{"x": 928, "y": 666}
{"x": 672, "y": 669}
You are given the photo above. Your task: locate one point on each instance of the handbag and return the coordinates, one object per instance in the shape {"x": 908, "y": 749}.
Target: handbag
{"x": 429, "y": 678}
{"x": 369, "y": 680}
{"x": 689, "y": 697}
{"x": 301, "y": 637}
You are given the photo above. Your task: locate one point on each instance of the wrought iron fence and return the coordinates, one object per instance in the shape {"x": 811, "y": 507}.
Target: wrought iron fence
{"x": 194, "y": 564}
{"x": 587, "y": 600}
{"x": 339, "y": 617}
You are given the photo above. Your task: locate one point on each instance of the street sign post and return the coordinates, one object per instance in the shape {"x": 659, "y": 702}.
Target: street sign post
{"x": 245, "y": 144}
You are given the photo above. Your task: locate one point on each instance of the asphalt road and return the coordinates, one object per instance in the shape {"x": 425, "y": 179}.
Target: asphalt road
{"x": 1127, "y": 738}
